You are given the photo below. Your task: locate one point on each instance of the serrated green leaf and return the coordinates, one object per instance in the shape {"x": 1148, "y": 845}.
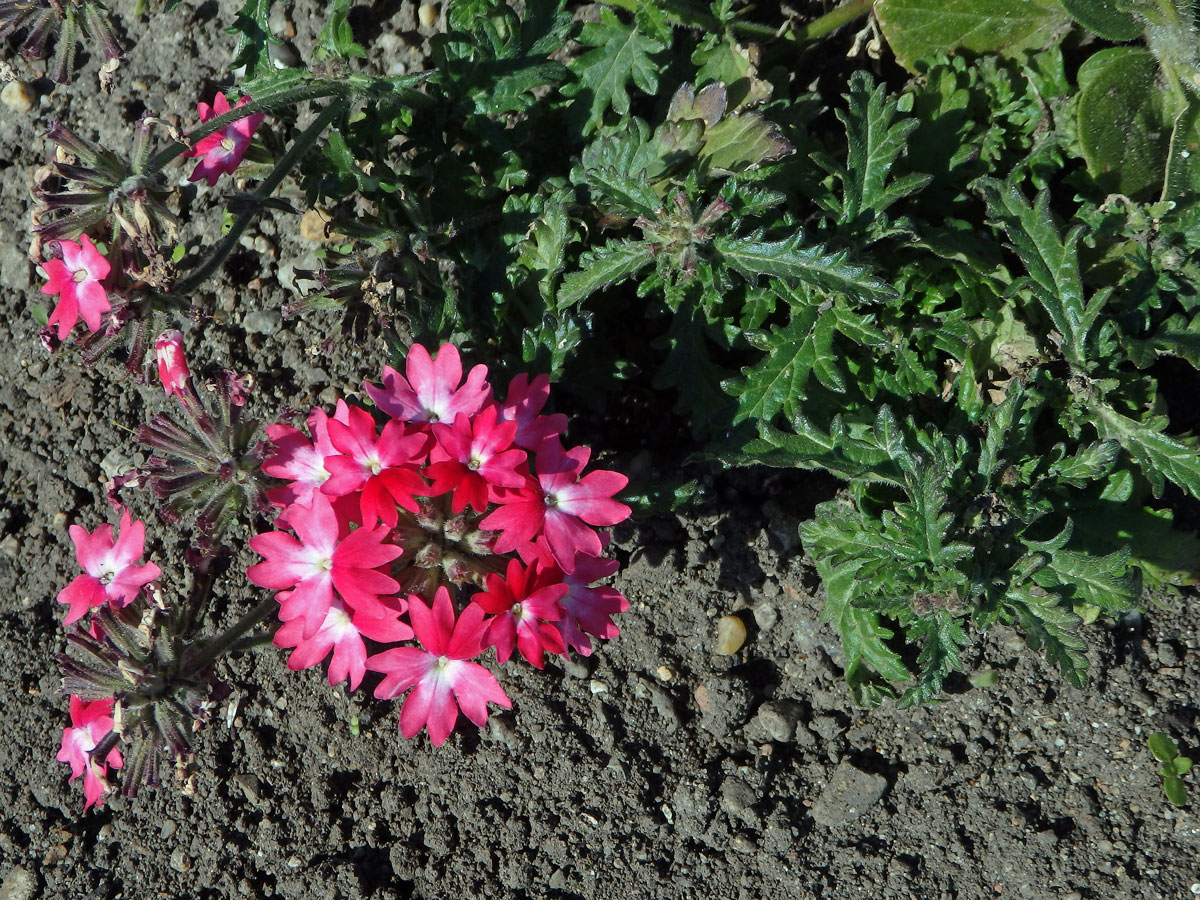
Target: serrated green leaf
{"x": 920, "y": 29}
{"x": 1050, "y": 627}
{"x": 689, "y": 369}
{"x": 1108, "y": 582}
{"x": 741, "y": 142}
{"x": 628, "y": 190}
{"x": 337, "y": 37}
{"x": 1106, "y": 18}
{"x": 1160, "y": 456}
{"x": 620, "y": 54}
{"x": 543, "y": 251}
{"x": 253, "y": 37}
{"x": 797, "y": 263}
{"x": 863, "y": 638}
{"x": 603, "y": 267}
{"x": 808, "y": 447}
{"x": 875, "y": 141}
{"x": 1053, "y": 264}
{"x": 941, "y": 639}
{"x": 1091, "y": 463}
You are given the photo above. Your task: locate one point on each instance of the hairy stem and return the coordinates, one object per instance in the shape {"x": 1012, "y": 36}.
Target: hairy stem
{"x": 230, "y": 637}
{"x": 834, "y": 19}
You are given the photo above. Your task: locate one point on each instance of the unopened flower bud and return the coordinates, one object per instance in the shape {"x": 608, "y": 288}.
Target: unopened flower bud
{"x": 172, "y": 366}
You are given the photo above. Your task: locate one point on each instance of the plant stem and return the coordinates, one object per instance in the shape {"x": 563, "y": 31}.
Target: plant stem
{"x": 224, "y": 641}
{"x": 313, "y": 90}
{"x": 287, "y": 162}
{"x": 833, "y": 20}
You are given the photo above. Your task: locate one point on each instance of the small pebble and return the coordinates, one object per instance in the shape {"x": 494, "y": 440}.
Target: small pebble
{"x": 18, "y": 885}
{"x": 180, "y": 862}
{"x": 665, "y": 673}
{"x": 731, "y": 634}
{"x": 283, "y": 56}
{"x": 17, "y": 96}
{"x": 597, "y": 687}
{"x": 427, "y": 15}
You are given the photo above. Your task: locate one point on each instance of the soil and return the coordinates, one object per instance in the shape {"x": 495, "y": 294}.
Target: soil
{"x": 654, "y": 769}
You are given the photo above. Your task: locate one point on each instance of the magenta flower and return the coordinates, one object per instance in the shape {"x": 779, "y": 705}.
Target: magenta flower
{"x": 431, "y": 393}
{"x": 77, "y": 279}
{"x": 327, "y": 557}
{"x": 173, "y": 369}
{"x": 222, "y": 151}
{"x": 110, "y": 575}
{"x": 560, "y": 504}
{"x": 524, "y": 605}
{"x": 383, "y": 468}
{"x": 589, "y": 609}
{"x": 443, "y": 679}
{"x": 342, "y": 632}
{"x": 523, "y": 404}
{"x": 301, "y": 460}
{"x": 90, "y": 722}
{"x": 471, "y": 457}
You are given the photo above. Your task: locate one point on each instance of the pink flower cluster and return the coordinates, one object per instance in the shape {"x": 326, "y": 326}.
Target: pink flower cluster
{"x": 458, "y": 493}
{"x": 111, "y": 575}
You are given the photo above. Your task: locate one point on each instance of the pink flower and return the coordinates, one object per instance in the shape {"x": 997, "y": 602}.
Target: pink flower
{"x": 324, "y": 559}
{"x": 525, "y": 400}
{"x": 587, "y": 609}
{"x": 222, "y": 151}
{"x": 524, "y": 605}
{"x": 173, "y": 369}
{"x": 299, "y": 460}
{"x": 443, "y": 679}
{"x": 471, "y": 457}
{"x": 342, "y": 632}
{"x": 110, "y": 574}
{"x": 431, "y": 393}
{"x": 558, "y": 502}
{"x": 91, "y": 722}
{"x": 77, "y": 278}
{"x": 383, "y": 468}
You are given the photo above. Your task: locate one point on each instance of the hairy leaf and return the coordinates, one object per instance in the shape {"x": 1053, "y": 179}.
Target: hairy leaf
{"x": 620, "y": 54}
{"x": 863, "y": 638}
{"x": 1051, "y": 627}
{"x": 337, "y": 37}
{"x": 253, "y": 37}
{"x": 603, "y": 267}
{"x": 1160, "y": 456}
{"x": 790, "y": 259}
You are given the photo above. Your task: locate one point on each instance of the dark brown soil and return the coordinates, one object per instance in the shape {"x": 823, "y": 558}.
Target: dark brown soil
{"x": 747, "y": 777}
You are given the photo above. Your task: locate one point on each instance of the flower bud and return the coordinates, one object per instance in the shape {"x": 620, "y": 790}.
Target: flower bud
{"x": 172, "y": 366}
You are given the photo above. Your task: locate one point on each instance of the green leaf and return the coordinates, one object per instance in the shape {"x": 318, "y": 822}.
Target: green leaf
{"x": 863, "y": 638}
{"x": 875, "y": 142}
{"x": 920, "y": 29}
{"x": 789, "y": 259}
{"x": 603, "y": 267}
{"x": 1160, "y": 456}
{"x": 940, "y": 638}
{"x": 1053, "y": 264}
{"x": 689, "y": 369}
{"x": 1176, "y": 791}
{"x": 1106, "y": 18}
{"x": 742, "y": 141}
{"x": 543, "y": 251}
{"x": 1108, "y": 582}
{"x": 808, "y": 447}
{"x": 1050, "y": 627}
{"x": 1123, "y": 130}
{"x": 337, "y": 37}
{"x": 1162, "y": 747}
{"x": 254, "y": 36}
{"x": 620, "y": 54}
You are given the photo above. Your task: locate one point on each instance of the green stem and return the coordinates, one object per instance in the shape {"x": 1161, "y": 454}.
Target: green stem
{"x": 287, "y": 162}
{"x": 313, "y": 90}
{"x": 833, "y": 20}
{"x": 225, "y": 641}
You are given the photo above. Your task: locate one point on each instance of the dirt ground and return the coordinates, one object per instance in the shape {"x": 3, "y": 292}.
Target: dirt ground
{"x": 654, "y": 769}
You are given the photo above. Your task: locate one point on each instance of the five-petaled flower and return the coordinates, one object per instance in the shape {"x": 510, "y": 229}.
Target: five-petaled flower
{"x": 90, "y": 724}
{"x": 441, "y": 675}
{"x": 327, "y": 557}
{"x": 525, "y": 606}
{"x": 77, "y": 279}
{"x": 109, "y": 571}
{"x": 431, "y": 393}
{"x": 222, "y": 151}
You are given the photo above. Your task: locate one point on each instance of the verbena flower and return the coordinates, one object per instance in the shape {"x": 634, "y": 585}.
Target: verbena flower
{"x": 173, "y": 369}
{"x": 327, "y": 557}
{"x": 431, "y": 392}
{"x": 90, "y": 724}
{"x": 78, "y": 281}
{"x": 455, "y": 510}
{"x": 222, "y": 151}
{"x": 110, "y": 573}
{"x": 442, "y": 678}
